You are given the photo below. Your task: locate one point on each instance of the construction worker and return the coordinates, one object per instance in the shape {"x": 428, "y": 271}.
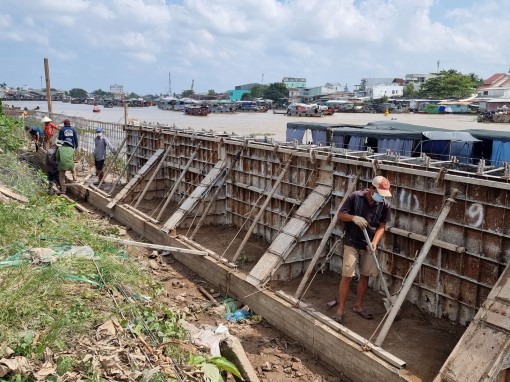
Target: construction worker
{"x": 49, "y": 131}
{"x": 68, "y": 133}
{"x": 100, "y": 145}
{"x": 367, "y": 209}
{"x": 37, "y": 135}
{"x": 65, "y": 160}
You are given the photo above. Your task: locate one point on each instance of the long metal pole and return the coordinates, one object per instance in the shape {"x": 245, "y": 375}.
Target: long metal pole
{"x": 213, "y": 198}
{"x": 176, "y": 185}
{"x": 374, "y": 256}
{"x": 324, "y": 241}
{"x": 416, "y": 267}
{"x": 262, "y": 209}
{"x": 48, "y": 86}
{"x": 160, "y": 164}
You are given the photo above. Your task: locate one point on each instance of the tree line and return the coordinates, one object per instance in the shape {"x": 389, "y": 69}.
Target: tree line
{"x": 447, "y": 84}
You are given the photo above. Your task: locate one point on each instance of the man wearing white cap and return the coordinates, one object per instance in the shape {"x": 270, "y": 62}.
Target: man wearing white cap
{"x": 49, "y": 131}
{"x": 367, "y": 209}
{"x": 101, "y": 143}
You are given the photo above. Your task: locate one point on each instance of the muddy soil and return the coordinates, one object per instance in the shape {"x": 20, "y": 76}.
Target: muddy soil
{"x": 274, "y": 356}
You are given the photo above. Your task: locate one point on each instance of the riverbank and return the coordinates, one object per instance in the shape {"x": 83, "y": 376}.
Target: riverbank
{"x": 274, "y": 125}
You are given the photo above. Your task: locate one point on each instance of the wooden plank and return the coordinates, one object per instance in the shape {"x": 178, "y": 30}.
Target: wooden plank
{"x": 154, "y": 174}
{"x": 284, "y": 243}
{"x": 178, "y": 181}
{"x": 198, "y": 193}
{"x": 77, "y": 205}
{"x": 422, "y": 238}
{"x": 154, "y": 246}
{"x": 13, "y": 195}
{"x": 136, "y": 179}
{"x": 353, "y": 336}
{"x": 138, "y": 212}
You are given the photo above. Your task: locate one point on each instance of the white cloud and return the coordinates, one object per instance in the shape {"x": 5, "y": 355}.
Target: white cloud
{"x": 224, "y": 43}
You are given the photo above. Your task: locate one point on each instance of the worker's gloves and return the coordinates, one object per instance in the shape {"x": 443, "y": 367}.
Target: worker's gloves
{"x": 360, "y": 222}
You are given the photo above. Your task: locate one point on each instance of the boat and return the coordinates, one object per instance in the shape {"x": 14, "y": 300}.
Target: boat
{"x": 306, "y": 110}
{"x": 197, "y": 110}
{"x": 96, "y": 109}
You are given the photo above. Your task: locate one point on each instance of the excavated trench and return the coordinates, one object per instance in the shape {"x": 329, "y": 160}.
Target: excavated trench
{"x": 265, "y": 216}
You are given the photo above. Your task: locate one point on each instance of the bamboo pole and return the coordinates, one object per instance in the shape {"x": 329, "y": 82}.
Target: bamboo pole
{"x": 438, "y": 225}
{"x": 48, "y": 85}
{"x": 176, "y": 185}
{"x": 213, "y": 198}
{"x": 325, "y": 238}
{"x": 127, "y": 163}
{"x": 112, "y": 164}
{"x": 154, "y": 246}
{"x": 153, "y": 176}
{"x": 262, "y": 209}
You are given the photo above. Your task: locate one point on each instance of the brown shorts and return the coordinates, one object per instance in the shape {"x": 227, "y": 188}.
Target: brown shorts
{"x": 367, "y": 266}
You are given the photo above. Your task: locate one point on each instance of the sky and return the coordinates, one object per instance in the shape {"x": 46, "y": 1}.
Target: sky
{"x": 220, "y": 44}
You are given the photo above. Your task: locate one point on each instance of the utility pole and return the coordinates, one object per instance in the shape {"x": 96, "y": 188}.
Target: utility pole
{"x": 48, "y": 86}
{"x": 262, "y": 78}
{"x": 437, "y": 66}
{"x": 169, "y": 84}
{"x": 192, "y": 84}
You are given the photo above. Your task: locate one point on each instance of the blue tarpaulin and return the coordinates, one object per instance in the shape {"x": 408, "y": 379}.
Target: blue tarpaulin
{"x": 500, "y": 153}
{"x": 396, "y": 146}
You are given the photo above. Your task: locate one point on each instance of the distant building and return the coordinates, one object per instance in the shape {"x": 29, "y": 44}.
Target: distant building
{"x": 496, "y": 86}
{"x": 239, "y": 90}
{"x": 117, "y": 90}
{"x": 417, "y": 79}
{"x": 377, "y": 88}
{"x": 494, "y": 93}
{"x": 294, "y": 82}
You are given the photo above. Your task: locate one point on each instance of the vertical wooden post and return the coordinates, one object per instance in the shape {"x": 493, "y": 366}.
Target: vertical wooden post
{"x": 48, "y": 86}
{"x": 262, "y": 209}
{"x": 160, "y": 164}
{"x": 324, "y": 240}
{"x": 125, "y": 115}
{"x": 127, "y": 163}
{"x": 408, "y": 282}
{"x": 213, "y": 199}
{"x": 177, "y": 182}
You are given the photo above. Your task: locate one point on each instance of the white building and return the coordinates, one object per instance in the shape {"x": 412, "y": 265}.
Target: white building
{"x": 390, "y": 91}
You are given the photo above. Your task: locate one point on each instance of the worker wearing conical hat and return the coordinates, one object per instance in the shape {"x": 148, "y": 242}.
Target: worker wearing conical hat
{"x": 49, "y": 131}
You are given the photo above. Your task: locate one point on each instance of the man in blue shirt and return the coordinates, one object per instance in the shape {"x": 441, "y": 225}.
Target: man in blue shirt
{"x": 37, "y": 135}
{"x": 101, "y": 143}
{"x": 68, "y": 134}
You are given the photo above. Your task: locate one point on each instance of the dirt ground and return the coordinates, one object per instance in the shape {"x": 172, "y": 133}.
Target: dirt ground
{"x": 274, "y": 356}
{"x": 422, "y": 341}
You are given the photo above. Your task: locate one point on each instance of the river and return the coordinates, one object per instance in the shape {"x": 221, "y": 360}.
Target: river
{"x": 268, "y": 123}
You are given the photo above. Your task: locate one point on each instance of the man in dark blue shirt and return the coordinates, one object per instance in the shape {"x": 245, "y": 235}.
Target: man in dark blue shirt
{"x": 367, "y": 209}
{"x": 37, "y": 135}
{"x": 68, "y": 134}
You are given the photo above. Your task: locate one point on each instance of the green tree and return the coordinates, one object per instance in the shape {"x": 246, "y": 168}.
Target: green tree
{"x": 187, "y": 93}
{"x": 257, "y": 91}
{"x": 246, "y": 97}
{"x": 276, "y": 91}
{"x": 78, "y": 93}
{"x": 133, "y": 95}
{"x": 409, "y": 90}
{"x": 448, "y": 84}
{"x": 211, "y": 92}
{"x": 102, "y": 93}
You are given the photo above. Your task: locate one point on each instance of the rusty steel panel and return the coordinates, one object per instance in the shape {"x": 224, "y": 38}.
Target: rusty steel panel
{"x": 491, "y": 246}
{"x": 428, "y": 277}
{"x": 468, "y": 292}
{"x": 489, "y": 272}
{"x": 470, "y": 266}
{"x": 449, "y": 285}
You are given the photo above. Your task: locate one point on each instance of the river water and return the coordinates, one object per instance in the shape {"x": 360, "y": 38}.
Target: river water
{"x": 268, "y": 123}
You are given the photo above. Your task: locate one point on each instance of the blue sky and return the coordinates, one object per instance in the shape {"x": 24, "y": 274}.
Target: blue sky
{"x": 219, "y": 44}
